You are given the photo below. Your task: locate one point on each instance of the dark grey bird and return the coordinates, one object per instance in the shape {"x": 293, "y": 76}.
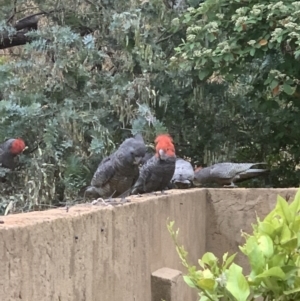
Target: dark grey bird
{"x": 156, "y": 173}
{"x": 183, "y": 176}
{"x": 227, "y": 173}
{"x": 118, "y": 172}
{"x": 9, "y": 150}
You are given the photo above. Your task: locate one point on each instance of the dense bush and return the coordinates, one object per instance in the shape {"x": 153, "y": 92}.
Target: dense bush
{"x": 95, "y": 72}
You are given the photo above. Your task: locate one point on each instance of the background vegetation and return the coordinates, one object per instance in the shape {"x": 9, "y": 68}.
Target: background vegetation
{"x": 221, "y": 78}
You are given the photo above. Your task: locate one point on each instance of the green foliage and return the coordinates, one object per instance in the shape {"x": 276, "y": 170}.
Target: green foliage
{"x": 77, "y": 91}
{"x": 254, "y": 47}
{"x": 272, "y": 252}
{"x": 96, "y": 72}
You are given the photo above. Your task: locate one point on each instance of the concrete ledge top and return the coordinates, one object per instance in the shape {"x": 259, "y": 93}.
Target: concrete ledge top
{"x": 29, "y": 218}
{"x": 167, "y": 274}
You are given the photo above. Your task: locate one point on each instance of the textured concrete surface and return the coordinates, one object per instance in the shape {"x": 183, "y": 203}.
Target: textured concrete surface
{"x": 105, "y": 253}
{"x": 233, "y": 210}
{"x": 168, "y": 285}
{"x": 98, "y": 253}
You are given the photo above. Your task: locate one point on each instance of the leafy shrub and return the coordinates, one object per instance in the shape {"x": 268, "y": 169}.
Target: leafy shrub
{"x": 273, "y": 255}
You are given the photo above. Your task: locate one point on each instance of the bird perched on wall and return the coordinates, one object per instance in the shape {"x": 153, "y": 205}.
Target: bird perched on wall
{"x": 183, "y": 175}
{"x": 9, "y": 150}
{"x": 118, "y": 172}
{"x": 157, "y": 172}
{"x": 227, "y": 173}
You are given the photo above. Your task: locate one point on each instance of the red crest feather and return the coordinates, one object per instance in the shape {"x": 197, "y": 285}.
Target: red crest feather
{"x": 165, "y": 142}
{"x": 164, "y": 138}
{"x": 17, "y": 146}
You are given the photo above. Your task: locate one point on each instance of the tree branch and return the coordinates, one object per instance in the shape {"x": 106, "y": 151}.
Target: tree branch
{"x": 22, "y": 26}
{"x": 29, "y": 22}
{"x": 7, "y": 41}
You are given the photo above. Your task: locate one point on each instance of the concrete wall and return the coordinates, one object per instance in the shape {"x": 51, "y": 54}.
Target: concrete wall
{"x": 105, "y": 253}
{"x": 98, "y": 253}
{"x": 233, "y": 210}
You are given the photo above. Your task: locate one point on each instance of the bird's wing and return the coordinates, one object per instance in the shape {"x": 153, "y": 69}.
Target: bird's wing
{"x": 144, "y": 175}
{"x": 229, "y": 170}
{"x": 104, "y": 172}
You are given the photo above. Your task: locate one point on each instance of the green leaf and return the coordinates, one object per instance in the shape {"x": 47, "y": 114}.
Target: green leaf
{"x": 265, "y": 244}
{"x": 228, "y": 57}
{"x": 207, "y": 274}
{"x": 288, "y": 89}
{"x": 228, "y": 261}
{"x": 268, "y": 80}
{"x": 267, "y": 228}
{"x": 295, "y": 204}
{"x": 225, "y": 256}
{"x": 277, "y": 260}
{"x": 290, "y": 270}
{"x": 255, "y": 256}
{"x": 252, "y": 51}
{"x": 206, "y": 284}
{"x": 286, "y": 234}
{"x": 272, "y": 285}
{"x": 275, "y": 272}
{"x": 203, "y": 74}
{"x": 274, "y": 84}
{"x": 292, "y": 291}
{"x": 209, "y": 258}
{"x": 216, "y": 59}
{"x": 282, "y": 208}
{"x": 290, "y": 244}
{"x": 237, "y": 284}
{"x": 188, "y": 281}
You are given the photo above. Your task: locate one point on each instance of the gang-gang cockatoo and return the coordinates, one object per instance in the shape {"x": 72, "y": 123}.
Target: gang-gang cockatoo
{"x": 118, "y": 172}
{"x": 157, "y": 172}
{"x": 227, "y": 173}
{"x": 9, "y": 150}
{"x": 183, "y": 175}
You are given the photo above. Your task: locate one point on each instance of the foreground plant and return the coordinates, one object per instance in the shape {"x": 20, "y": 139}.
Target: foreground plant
{"x": 273, "y": 255}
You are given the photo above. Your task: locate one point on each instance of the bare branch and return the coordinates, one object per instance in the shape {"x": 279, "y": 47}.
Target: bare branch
{"x": 7, "y": 41}
{"x": 22, "y": 26}
{"x": 29, "y": 22}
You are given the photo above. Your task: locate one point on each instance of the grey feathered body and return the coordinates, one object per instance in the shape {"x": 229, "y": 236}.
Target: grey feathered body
{"x": 155, "y": 175}
{"x": 117, "y": 173}
{"x": 227, "y": 173}
{"x": 183, "y": 174}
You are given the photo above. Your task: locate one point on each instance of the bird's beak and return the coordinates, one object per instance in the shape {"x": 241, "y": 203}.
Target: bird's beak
{"x": 137, "y": 160}
{"x": 26, "y": 147}
{"x": 162, "y": 154}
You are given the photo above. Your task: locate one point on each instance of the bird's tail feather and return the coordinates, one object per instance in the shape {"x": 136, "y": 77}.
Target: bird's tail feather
{"x": 251, "y": 173}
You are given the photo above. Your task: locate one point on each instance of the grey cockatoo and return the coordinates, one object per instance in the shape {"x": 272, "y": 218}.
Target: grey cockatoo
{"x": 227, "y": 173}
{"x": 183, "y": 175}
{"x": 9, "y": 150}
{"x": 157, "y": 172}
{"x": 117, "y": 173}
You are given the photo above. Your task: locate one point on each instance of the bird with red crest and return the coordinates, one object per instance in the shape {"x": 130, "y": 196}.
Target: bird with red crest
{"x": 157, "y": 172}
{"x": 9, "y": 150}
